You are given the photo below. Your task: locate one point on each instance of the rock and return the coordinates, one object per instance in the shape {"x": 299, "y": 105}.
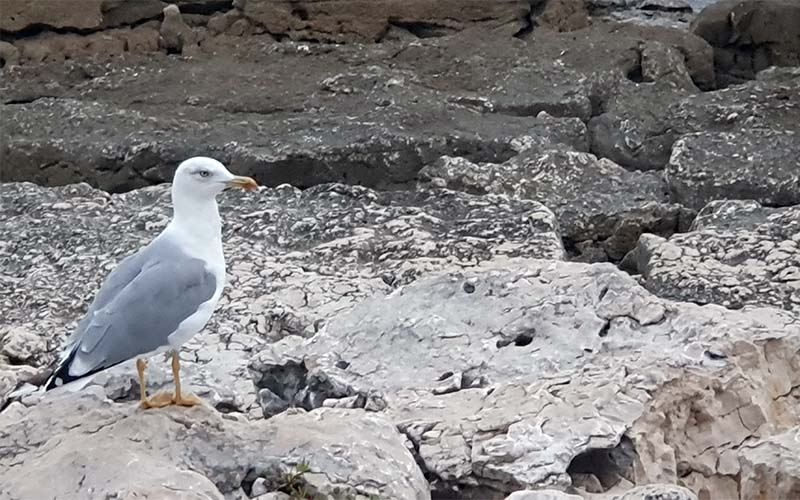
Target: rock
{"x": 641, "y": 123}
{"x": 295, "y": 259}
{"x": 750, "y": 35}
{"x": 564, "y": 15}
{"x": 753, "y": 164}
{"x": 738, "y": 253}
{"x": 566, "y": 369}
{"x": 770, "y": 467}
{"x": 9, "y": 55}
{"x": 20, "y": 345}
{"x": 95, "y": 15}
{"x": 375, "y": 123}
{"x": 657, "y": 492}
{"x": 87, "y": 444}
{"x": 76, "y": 14}
{"x": 664, "y": 13}
{"x": 598, "y": 203}
{"x": 542, "y": 495}
{"x": 175, "y": 35}
{"x": 341, "y": 21}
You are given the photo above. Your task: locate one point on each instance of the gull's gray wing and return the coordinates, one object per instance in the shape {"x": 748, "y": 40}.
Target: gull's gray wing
{"x": 138, "y": 307}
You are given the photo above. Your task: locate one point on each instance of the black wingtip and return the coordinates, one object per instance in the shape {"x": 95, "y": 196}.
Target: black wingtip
{"x": 61, "y": 374}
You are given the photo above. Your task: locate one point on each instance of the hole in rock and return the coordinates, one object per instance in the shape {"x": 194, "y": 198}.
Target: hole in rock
{"x": 608, "y": 465}
{"x": 523, "y": 339}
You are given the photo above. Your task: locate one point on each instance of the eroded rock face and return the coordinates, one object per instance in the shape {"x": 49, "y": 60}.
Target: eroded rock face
{"x": 641, "y": 123}
{"x": 602, "y": 208}
{"x": 771, "y": 466}
{"x": 354, "y": 21}
{"x": 89, "y": 447}
{"x": 372, "y": 115}
{"x": 294, "y": 259}
{"x": 738, "y": 253}
{"x": 748, "y": 164}
{"x": 750, "y": 35}
{"x": 522, "y": 377}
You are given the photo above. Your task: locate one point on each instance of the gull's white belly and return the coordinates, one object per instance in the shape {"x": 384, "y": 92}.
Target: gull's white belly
{"x": 189, "y": 327}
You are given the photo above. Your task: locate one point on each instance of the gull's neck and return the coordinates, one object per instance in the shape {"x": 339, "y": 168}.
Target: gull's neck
{"x": 195, "y": 218}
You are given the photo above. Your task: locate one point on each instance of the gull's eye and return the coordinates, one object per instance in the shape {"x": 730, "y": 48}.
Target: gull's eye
{"x": 204, "y": 173}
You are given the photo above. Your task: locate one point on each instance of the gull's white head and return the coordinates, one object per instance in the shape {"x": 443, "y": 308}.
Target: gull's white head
{"x": 204, "y": 178}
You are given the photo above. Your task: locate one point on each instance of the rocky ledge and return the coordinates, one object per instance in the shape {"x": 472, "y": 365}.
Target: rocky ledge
{"x": 507, "y": 249}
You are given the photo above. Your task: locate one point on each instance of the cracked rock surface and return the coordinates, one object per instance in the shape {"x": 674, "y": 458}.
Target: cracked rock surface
{"x": 94, "y": 448}
{"x": 737, "y": 253}
{"x": 601, "y": 207}
{"x": 421, "y": 304}
{"x": 511, "y": 379}
{"x": 295, "y": 258}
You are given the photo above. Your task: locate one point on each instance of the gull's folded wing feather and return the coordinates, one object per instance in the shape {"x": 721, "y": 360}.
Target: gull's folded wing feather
{"x": 139, "y": 306}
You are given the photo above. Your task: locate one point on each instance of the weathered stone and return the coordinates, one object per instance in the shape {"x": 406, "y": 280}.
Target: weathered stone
{"x": 750, "y": 35}
{"x": 356, "y": 21}
{"x": 771, "y": 467}
{"x": 542, "y": 495}
{"x": 175, "y": 35}
{"x": 374, "y": 123}
{"x": 88, "y": 445}
{"x": 598, "y": 203}
{"x": 657, "y": 492}
{"x": 566, "y": 368}
{"x": 9, "y": 55}
{"x": 19, "y": 345}
{"x": 738, "y": 253}
{"x": 20, "y": 14}
{"x": 564, "y": 15}
{"x": 642, "y": 122}
{"x": 751, "y": 164}
{"x": 294, "y": 258}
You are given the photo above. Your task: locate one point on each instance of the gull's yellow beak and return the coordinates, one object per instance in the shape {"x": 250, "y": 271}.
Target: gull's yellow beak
{"x": 246, "y": 183}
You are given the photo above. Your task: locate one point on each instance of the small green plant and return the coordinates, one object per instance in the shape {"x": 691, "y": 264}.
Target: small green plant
{"x": 293, "y": 484}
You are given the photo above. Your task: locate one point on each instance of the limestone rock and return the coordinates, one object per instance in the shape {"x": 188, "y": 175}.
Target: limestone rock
{"x": 19, "y": 15}
{"x": 9, "y": 55}
{"x": 771, "y": 468}
{"x": 598, "y": 203}
{"x": 561, "y": 369}
{"x": 542, "y": 495}
{"x": 750, "y": 35}
{"x": 738, "y": 253}
{"x": 89, "y": 446}
{"x": 752, "y": 164}
{"x": 564, "y": 15}
{"x": 175, "y": 34}
{"x": 641, "y": 122}
{"x": 376, "y": 122}
{"x": 80, "y": 14}
{"x": 295, "y": 259}
{"x": 19, "y": 345}
{"x": 353, "y": 21}
{"x": 657, "y": 492}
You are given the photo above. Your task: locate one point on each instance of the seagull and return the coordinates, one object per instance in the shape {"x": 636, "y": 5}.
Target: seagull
{"x": 161, "y": 296}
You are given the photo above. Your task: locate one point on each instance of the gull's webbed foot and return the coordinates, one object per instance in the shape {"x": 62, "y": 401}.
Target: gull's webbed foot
{"x": 184, "y": 399}
{"x": 160, "y": 400}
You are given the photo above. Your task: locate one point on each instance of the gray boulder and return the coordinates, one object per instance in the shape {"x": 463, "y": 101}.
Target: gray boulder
{"x": 771, "y": 467}
{"x": 738, "y": 253}
{"x": 602, "y": 208}
{"x": 535, "y": 374}
{"x": 748, "y": 164}
{"x": 750, "y": 35}
{"x": 89, "y": 447}
{"x": 295, "y": 259}
{"x": 640, "y": 123}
